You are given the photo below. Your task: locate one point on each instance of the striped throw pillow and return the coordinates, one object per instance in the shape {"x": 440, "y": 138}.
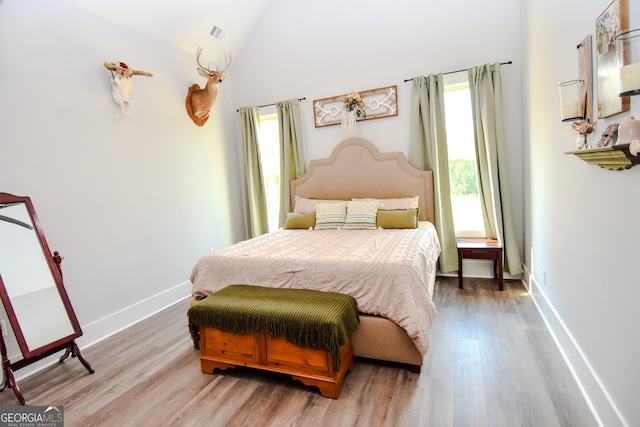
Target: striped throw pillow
{"x": 330, "y": 215}
{"x": 361, "y": 215}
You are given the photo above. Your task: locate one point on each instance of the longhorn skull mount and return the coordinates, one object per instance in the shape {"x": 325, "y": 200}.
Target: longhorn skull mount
{"x": 200, "y": 100}
{"x": 121, "y": 83}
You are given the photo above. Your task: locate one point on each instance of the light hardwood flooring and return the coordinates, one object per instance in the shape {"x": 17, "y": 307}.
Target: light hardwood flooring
{"x": 491, "y": 363}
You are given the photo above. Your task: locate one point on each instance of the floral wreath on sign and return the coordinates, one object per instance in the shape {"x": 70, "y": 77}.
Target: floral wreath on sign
{"x": 353, "y": 102}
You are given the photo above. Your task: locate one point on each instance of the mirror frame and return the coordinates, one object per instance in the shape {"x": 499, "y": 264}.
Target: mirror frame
{"x": 57, "y": 278}
{"x": 67, "y": 343}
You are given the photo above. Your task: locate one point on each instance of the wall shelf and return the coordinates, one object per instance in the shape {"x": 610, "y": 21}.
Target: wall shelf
{"x": 613, "y": 158}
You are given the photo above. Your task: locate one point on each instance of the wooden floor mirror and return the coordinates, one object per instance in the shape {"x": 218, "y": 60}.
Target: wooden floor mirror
{"x": 34, "y": 298}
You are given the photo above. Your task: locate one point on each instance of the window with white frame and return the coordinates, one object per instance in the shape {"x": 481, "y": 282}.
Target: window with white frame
{"x": 465, "y": 195}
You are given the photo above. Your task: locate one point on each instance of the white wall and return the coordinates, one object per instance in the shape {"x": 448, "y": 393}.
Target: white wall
{"x": 322, "y": 49}
{"x": 580, "y": 224}
{"x": 131, "y": 202}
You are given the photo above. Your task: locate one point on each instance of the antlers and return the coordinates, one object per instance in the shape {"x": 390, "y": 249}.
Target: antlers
{"x": 220, "y": 73}
{"x": 122, "y": 68}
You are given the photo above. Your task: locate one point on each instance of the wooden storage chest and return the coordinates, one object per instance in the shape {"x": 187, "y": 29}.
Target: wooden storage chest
{"x": 223, "y": 350}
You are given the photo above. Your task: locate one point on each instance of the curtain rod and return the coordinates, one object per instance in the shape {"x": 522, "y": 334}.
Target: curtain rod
{"x": 459, "y": 71}
{"x": 273, "y": 103}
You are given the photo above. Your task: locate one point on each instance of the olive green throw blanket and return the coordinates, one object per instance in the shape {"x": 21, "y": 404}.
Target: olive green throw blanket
{"x": 305, "y": 318}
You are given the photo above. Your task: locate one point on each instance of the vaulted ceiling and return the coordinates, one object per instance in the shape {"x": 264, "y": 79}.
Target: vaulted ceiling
{"x": 185, "y": 24}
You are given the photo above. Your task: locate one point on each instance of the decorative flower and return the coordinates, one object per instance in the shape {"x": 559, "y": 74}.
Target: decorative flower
{"x": 634, "y": 147}
{"x": 353, "y": 101}
{"x": 583, "y": 127}
{"x": 607, "y": 28}
{"x": 125, "y": 72}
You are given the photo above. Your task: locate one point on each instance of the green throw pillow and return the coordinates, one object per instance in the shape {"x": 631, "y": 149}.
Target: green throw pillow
{"x": 402, "y": 218}
{"x": 300, "y": 220}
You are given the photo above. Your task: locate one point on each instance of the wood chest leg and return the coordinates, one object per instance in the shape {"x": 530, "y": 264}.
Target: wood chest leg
{"x": 329, "y": 387}
{"x": 209, "y": 366}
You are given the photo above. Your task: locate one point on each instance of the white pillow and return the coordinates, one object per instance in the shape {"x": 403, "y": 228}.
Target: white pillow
{"x": 303, "y": 205}
{"x": 330, "y": 215}
{"x": 361, "y": 214}
{"x": 395, "y": 204}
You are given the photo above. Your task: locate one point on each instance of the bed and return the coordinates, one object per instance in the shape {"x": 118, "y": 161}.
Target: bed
{"x": 390, "y": 272}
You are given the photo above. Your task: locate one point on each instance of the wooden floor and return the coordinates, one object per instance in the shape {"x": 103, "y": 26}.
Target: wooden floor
{"x": 491, "y": 363}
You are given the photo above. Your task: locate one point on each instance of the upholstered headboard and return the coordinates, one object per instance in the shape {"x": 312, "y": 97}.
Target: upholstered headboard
{"x": 357, "y": 169}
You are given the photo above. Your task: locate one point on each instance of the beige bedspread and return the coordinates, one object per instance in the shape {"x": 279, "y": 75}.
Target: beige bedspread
{"x": 387, "y": 271}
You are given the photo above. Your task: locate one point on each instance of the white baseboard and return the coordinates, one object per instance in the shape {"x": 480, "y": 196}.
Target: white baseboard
{"x": 107, "y": 326}
{"x": 101, "y": 329}
{"x": 602, "y": 406}
{"x": 479, "y": 268}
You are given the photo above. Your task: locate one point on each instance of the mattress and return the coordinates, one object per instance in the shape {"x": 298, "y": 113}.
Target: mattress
{"x": 389, "y": 272}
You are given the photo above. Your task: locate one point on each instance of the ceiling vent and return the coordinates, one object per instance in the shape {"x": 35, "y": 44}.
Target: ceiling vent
{"x": 217, "y": 33}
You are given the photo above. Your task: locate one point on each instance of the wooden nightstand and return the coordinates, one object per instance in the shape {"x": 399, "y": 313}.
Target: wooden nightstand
{"x": 481, "y": 249}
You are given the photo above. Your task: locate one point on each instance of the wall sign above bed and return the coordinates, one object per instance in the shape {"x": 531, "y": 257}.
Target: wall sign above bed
{"x": 381, "y": 102}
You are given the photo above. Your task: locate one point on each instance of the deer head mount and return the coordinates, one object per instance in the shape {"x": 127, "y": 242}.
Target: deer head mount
{"x": 121, "y": 83}
{"x": 200, "y": 100}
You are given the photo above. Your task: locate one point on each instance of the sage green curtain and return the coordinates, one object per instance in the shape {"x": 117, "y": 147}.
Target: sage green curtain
{"x": 485, "y": 84}
{"x": 254, "y": 193}
{"x": 292, "y": 160}
{"x": 428, "y": 151}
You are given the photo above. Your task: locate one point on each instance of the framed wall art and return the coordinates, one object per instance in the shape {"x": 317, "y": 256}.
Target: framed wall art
{"x": 609, "y": 58}
{"x": 378, "y": 103}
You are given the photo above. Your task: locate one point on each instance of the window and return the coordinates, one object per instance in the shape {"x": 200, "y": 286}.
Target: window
{"x": 269, "y": 147}
{"x": 465, "y": 195}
